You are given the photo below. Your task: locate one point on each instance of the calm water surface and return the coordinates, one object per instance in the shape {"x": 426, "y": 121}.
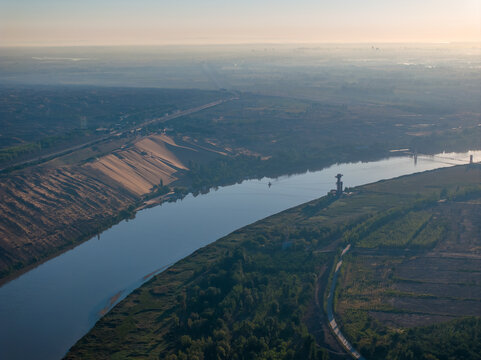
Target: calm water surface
{"x": 45, "y": 311}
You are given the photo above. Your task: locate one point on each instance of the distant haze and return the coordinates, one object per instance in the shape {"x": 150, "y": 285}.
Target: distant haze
{"x": 157, "y": 22}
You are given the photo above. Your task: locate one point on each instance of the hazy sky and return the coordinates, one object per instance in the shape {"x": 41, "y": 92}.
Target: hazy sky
{"x": 143, "y": 22}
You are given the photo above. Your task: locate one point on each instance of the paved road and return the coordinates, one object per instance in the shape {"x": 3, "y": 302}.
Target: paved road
{"x": 165, "y": 118}
{"x": 330, "y": 313}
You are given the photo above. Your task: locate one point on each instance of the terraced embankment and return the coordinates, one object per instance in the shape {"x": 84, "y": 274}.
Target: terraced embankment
{"x": 44, "y": 210}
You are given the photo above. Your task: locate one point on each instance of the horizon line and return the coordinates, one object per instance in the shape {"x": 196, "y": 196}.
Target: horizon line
{"x": 270, "y": 43}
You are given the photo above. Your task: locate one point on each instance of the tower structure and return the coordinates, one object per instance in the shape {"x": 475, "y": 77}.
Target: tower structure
{"x": 339, "y": 184}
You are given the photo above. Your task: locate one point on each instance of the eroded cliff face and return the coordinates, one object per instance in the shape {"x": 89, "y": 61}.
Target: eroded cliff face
{"x": 44, "y": 210}
{"x": 143, "y": 165}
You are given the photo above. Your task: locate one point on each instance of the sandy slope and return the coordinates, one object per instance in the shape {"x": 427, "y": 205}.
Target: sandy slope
{"x": 44, "y": 210}
{"x": 143, "y": 165}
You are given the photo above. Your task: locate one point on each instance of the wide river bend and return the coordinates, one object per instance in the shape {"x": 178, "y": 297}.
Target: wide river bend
{"x": 46, "y": 310}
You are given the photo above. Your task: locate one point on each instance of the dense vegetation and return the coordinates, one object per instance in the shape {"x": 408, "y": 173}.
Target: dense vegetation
{"x": 277, "y": 126}
{"x": 452, "y": 340}
{"x": 252, "y": 294}
{"x": 41, "y": 117}
{"x": 414, "y": 267}
{"x": 250, "y": 305}
{"x": 272, "y": 136}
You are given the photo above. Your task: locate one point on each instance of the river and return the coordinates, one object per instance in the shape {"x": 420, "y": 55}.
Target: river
{"x": 46, "y": 310}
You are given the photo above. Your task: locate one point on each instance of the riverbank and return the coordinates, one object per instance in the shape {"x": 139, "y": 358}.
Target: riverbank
{"x": 50, "y": 209}
{"x": 280, "y": 253}
{"x": 67, "y": 234}
{"x": 121, "y": 257}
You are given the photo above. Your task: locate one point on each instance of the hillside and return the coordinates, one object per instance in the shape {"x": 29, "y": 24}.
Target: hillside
{"x": 258, "y": 293}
